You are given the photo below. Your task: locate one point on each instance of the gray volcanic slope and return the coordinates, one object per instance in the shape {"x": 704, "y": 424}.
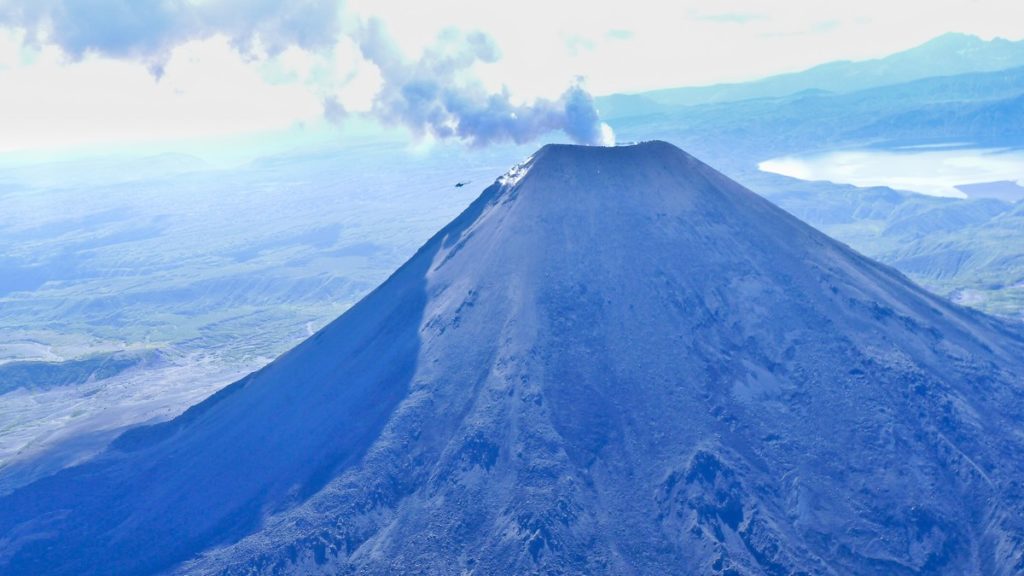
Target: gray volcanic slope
{"x": 615, "y": 361}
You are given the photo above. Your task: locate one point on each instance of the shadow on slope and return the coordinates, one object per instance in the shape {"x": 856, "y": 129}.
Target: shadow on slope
{"x": 163, "y": 493}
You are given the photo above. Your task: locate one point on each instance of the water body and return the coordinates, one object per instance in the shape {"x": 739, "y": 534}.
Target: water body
{"x": 948, "y": 171}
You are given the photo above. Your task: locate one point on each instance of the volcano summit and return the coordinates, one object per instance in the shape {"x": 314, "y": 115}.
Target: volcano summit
{"x": 615, "y": 361}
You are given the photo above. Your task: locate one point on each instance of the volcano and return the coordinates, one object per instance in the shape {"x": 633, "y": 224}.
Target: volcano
{"x": 615, "y": 361}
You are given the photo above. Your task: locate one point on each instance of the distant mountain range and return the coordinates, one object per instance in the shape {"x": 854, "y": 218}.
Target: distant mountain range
{"x": 948, "y": 55}
{"x": 982, "y": 108}
{"x": 955, "y": 90}
{"x": 970, "y": 250}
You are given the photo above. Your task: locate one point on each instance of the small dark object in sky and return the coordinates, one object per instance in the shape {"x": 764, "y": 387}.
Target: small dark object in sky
{"x": 461, "y": 184}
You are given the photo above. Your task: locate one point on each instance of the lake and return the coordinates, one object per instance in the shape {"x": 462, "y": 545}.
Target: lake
{"x": 949, "y": 171}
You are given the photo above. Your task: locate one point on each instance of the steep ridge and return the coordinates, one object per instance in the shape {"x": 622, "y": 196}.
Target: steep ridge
{"x": 615, "y": 361}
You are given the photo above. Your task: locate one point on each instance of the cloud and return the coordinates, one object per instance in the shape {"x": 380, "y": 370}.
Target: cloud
{"x": 334, "y": 110}
{"x": 730, "y": 17}
{"x": 150, "y": 29}
{"x": 577, "y": 44}
{"x": 207, "y": 91}
{"x": 436, "y": 94}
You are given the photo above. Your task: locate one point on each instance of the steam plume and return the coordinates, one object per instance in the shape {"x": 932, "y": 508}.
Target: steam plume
{"x": 434, "y": 95}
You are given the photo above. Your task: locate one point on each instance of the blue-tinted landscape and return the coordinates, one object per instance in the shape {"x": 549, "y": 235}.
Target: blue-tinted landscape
{"x": 770, "y": 323}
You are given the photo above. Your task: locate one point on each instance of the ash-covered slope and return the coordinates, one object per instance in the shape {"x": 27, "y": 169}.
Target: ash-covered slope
{"x": 615, "y": 361}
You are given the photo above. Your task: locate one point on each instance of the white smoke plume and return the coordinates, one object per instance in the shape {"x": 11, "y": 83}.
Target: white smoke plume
{"x": 433, "y": 95}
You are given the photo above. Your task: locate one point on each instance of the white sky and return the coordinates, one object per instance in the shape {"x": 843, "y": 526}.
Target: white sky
{"x": 50, "y": 101}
